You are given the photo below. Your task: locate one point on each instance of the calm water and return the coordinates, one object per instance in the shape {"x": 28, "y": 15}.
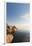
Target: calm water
{"x": 21, "y": 36}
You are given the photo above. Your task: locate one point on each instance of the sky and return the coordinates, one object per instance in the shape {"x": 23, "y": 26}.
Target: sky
{"x": 18, "y": 14}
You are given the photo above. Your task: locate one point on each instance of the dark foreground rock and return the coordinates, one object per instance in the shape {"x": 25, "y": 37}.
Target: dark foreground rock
{"x": 21, "y": 37}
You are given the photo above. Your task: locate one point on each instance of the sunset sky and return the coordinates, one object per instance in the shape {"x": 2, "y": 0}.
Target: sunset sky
{"x": 18, "y": 14}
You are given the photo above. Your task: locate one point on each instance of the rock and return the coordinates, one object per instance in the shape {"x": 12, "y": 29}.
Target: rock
{"x": 9, "y": 38}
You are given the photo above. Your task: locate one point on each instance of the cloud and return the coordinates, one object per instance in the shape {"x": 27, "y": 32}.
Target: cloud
{"x": 24, "y": 23}
{"x": 25, "y": 17}
{"x": 23, "y": 26}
